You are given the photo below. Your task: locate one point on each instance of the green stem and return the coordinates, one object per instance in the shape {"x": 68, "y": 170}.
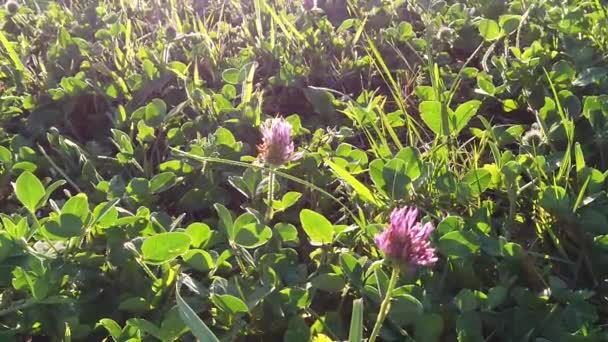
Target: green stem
{"x": 58, "y": 169}
{"x": 18, "y": 306}
{"x": 238, "y": 257}
{"x": 512, "y": 196}
{"x": 386, "y": 305}
{"x": 147, "y": 269}
{"x": 343, "y": 297}
{"x": 38, "y": 226}
{"x": 140, "y": 260}
{"x": 279, "y": 173}
{"x": 269, "y": 211}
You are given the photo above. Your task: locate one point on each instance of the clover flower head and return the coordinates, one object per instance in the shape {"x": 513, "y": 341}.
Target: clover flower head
{"x": 310, "y": 4}
{"x": 277, "y": 147}
{"x": 406, "y": 239}
{"x": 12, "y": 7}
{"x": 533, "y": 137}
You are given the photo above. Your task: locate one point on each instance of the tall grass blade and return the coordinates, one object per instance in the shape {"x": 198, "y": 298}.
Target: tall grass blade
{"x": 285, "y": 24}
{"x": 197, "y": 326}
{"x": 581, "y": 195}
{"x": 359, "y": 32}
{"x": 355, "y": 333}
{"x": 359, "y": 187}
{"x": 300, "y": 181}
{"x": 579, "y": 157}
{"x": 396, "y": 93}
{"x": 258, "y": 19}
{"x": 248, "y": 84}
{"x": 11, "y": 53}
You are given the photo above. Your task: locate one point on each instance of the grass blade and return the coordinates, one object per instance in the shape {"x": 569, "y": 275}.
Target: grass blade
{"x": 355, "y": 333}
{"x": 289, "y": 30}
{"x": 579, "y": 158}
{"x": 359, "y": 32}
{"x": 581, "y": 195}
{"x": 395, "y": 90}
{"x": 67, "y": 336}
{"x": 11, "y": 53}
{"x": 258, "y": 19}
{"x": 359, "y": 187}
{"x": 300, "y": 181}
{"x": 248, "y": 84}
{"x": 197, "y": 326}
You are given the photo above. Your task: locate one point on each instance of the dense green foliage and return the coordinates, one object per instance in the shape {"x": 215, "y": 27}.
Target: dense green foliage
{"x": 132, "y": 208}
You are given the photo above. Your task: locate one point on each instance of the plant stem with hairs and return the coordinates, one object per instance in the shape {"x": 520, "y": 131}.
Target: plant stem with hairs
{"x": 386, "y": 304}
{"x": 282, "y": 174}
{"x": 271, "y": 178}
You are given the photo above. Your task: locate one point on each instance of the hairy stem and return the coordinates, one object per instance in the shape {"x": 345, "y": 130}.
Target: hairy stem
{"x": 269, "y": 211}
{"x": 385, "y": 306}
{"x": 279, "y": 173}
{"x": 18, "y": 306}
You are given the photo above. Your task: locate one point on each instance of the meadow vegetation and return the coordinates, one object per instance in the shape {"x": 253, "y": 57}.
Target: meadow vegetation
{"x": 285, "y": 170}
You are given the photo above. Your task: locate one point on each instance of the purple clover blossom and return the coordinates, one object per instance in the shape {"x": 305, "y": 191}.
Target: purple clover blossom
{"x": 406, "y": 240}
{"x": 277, "y": 147}
{"x": 310, "y": 4}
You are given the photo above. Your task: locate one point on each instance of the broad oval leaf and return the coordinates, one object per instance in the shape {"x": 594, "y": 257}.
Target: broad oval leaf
{"x": 29, "y": 190}
{"x": 463, "y": 114}
{"x": 478, "y": 180}
{"x": 155, "y": 113}
{"x": 199, "y": 260}
{"x": 555, "y": 199}
{"x": 375, "y": 172}
{"x": 290, "y": 198}
{"x": 63, "y": 227}
{"x": 226, "y": 222}
{"x": 6, "y": 156}
{"x": 199, "y": 232}
{"x": 430, "y": 112}
{"x": 509, "y": 22}
{"x": 329, "y": 282}
{"x": 485, "y": 84}
{"x": 112, "y": 327}
{"x": 250, "y": 233}
{"x": 405, "y": 308}
{"x": 162, "y": 182}
{"x": 489, "y": 29}
{"x": 288, "y": 232}
{"x": 396, "y": 179}
{"x": 590, "y": 75}
{"x": 161, "y": 248}
{"x": 449, "y": 224}
{"x": 229, "y": 304}
{"x": 231, "y": 76}
{"x": 319, "y": 230}
{"x": 123, "y": 141}
{"x": 412, "y": 164}
{"x": 78, "y": 206}
{"x": 458, "y": 244}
